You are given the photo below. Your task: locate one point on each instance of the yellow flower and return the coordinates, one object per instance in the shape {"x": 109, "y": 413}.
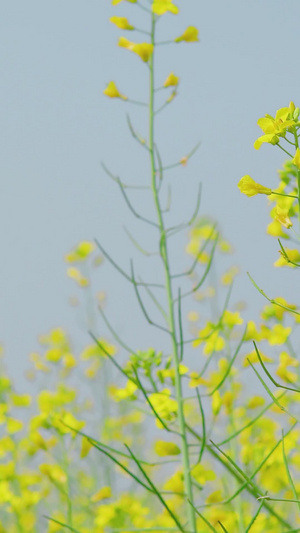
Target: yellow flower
{"x": 81, "y": 252}
{"x": 171, "y": 80}
{"x": 232, "y": 319}
{"x": 128, "y": 393}
{"x": 274, "y": 128}
{"x": 278, "y": 335}
{"x": 292, "y": 255}
{"x": 163, "y": 448}
{"x": 75, "y": 274}
{"x": 252, "y": 357}
{"x": 281, "y": 215}
{"x": 196, "y": 380}
{"x": 165, "y": 406}
{"x": 160, "y": 7}
{"x": 275, "y": 229}
{"x": 189, "y": 35}
{"x": 249, "y": 187}
{"x": 215, "y": 497}
{"x": 216, "y": 403}
{"x": 13, "y": 425}
{"x": 112, "y": 91}
{"x": 102, "y": 494}
{"x": 175, "y": 483}
{"x": 296, "y": 159}
{"x": 202, "y": 474}
{"x": 53, "y": 472}
{"x": 256, "y": 401}
{"x": 143, "y": 50}
{"x": 121, "y": 22}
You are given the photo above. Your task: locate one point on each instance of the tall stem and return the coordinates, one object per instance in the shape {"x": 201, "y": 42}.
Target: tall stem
{"x": 169, "y": 292}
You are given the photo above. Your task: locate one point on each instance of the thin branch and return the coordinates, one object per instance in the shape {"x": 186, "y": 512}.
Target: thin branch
{"x": 206, "y": 271}
{"x": 131, "y": 208}
{"x": 114, "y": 333}
{"x": 121, "y": 271}
{"x": 188, "y": 156}
{"x": 142, "y": 305}
{"x": 155, "y": 490}
{"x": 271, "y": 300}
{"x": 110, "y": 357}
{"x": 230, "y": 364}
{"x": 135, "y": 135}
{"x": 181, "y": 342}
{"x": 269, "y": 375}
{"x": 116, "y": 178}
{"x": 200, "y": 252}
{"x": 203, "y": 443}
{"x": 137, "y": 245}
{"x": 156, "y": 302}
{"x": 148, "y": 401}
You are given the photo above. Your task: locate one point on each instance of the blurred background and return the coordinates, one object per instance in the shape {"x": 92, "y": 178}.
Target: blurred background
{"x": 57, "y": 127}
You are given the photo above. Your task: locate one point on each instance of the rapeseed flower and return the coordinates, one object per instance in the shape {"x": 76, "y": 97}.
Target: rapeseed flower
{"x": 274, "y": 128}
{"x": 160, "y": 7}
{"x": 250, "y": 187}
{"x": 112, "y": 91}
{"x": 143, "y": 50}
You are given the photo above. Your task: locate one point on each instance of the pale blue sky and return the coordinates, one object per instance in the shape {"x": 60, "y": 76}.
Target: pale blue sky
{"x": 57, "y": 127}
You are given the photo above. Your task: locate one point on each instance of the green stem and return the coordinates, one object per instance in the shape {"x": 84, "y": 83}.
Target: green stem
{"x": 191, "y": 516}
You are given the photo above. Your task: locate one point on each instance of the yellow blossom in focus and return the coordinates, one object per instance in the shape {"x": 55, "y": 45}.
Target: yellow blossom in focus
{"x": 274, "y": 128}
{"x": 292, "y": 254}
{"x": 281, "y": 215}
{"x": 112, "y": 91}
{"x": 143, "y": 50}
{"x": 189, "y": 35}
{"x": 249, "y": 187}
{"x": 160, "y": 7}
{"x": 121, "y": 22}
{"x": 275, "y": 229}
{"x": 171, "y": 80}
